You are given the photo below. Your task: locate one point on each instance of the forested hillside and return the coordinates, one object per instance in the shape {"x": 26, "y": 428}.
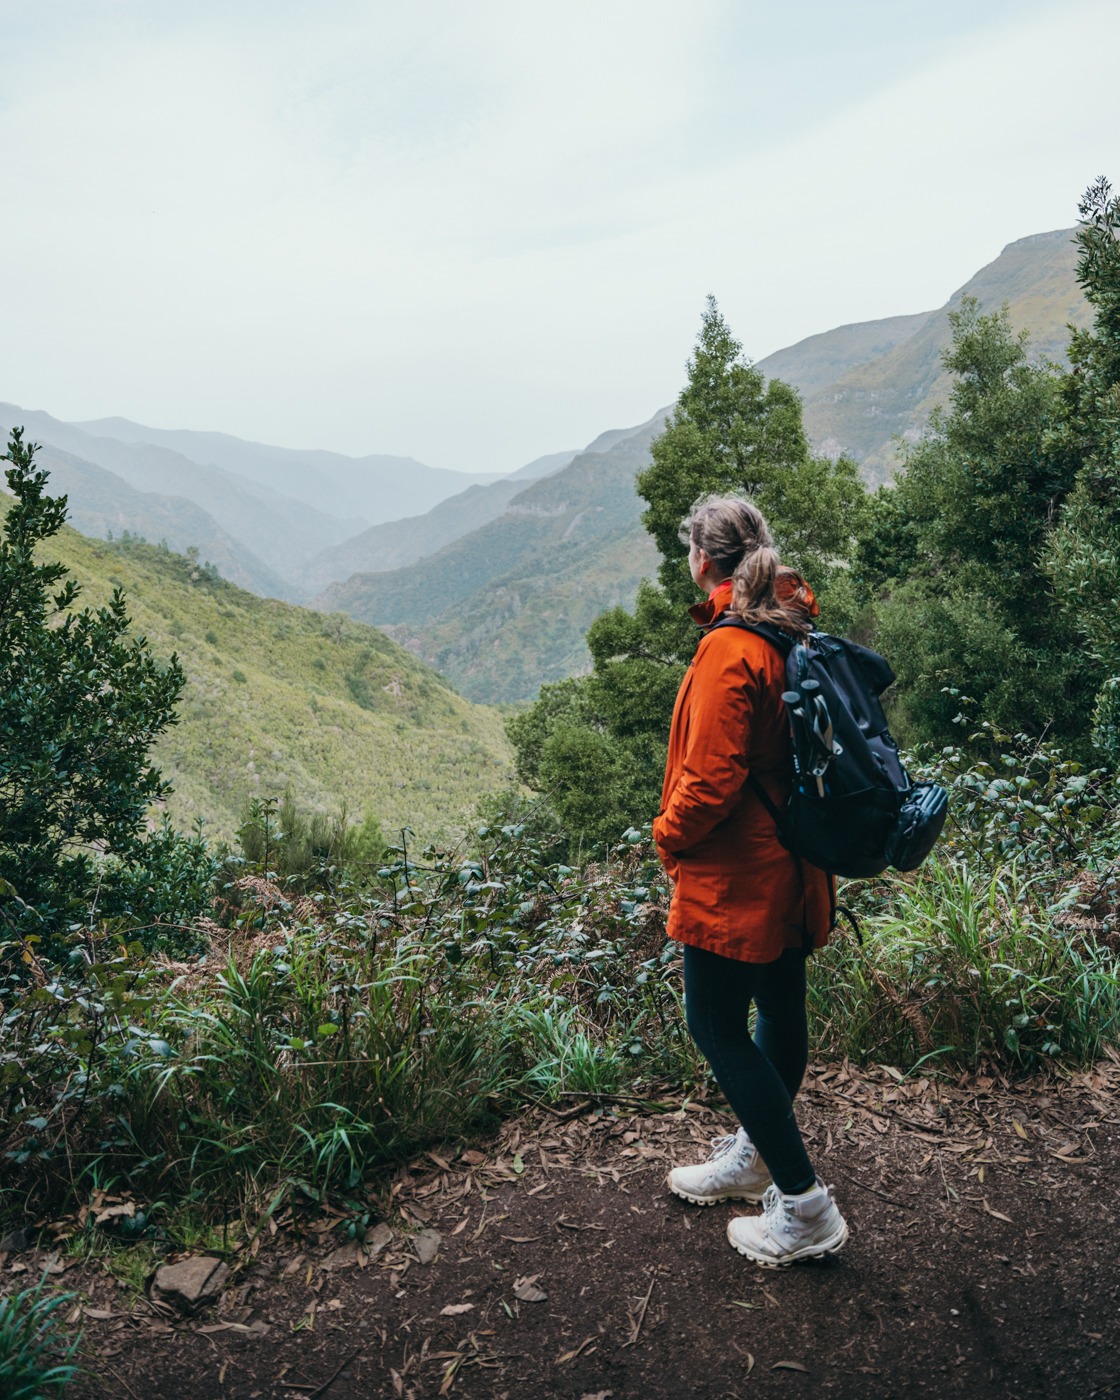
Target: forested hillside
{"x": 276, "y": 695}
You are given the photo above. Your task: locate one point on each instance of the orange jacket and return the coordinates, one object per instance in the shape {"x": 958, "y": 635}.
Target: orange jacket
{"x": 737, "y": 890}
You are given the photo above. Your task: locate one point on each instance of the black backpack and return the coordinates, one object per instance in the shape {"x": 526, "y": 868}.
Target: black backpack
{"x": 852, "y": 809}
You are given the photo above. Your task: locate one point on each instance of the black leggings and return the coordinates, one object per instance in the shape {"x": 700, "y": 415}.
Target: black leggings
{"x": 759, "y": 1077}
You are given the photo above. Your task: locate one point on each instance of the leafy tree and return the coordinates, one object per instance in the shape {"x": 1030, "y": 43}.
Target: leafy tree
{"x": 80, "y": 705}
{"x": 1083, "y": 558}
{"x": 597, "y": 745}
{"x": 953, "y": 551}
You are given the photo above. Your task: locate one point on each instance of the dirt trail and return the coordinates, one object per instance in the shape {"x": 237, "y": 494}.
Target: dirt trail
{"x": 553, "y": 1263}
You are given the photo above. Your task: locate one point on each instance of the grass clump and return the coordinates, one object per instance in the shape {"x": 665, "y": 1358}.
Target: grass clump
{"x": 1003, "y": 947}
{"x": 964, "y": 970}
{"x": 36, "y": 1352}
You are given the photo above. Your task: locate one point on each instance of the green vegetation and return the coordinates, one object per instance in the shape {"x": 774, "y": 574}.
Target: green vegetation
{"x": 997, "y": 544}
{"x": 1083, "y": 558}
{"x": 36, "y": 1354}
{"x": 276, "y": 696}
{"x": 517, "y": 595}
{"x": 341, "y": 1006}
{"x": 305, "y": 850}
{"x": 955, "y": 553}
{"x": 1000, "y": 544}
{"x": 325, "y": 1036}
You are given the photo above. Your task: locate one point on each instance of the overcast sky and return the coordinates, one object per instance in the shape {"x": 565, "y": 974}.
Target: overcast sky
{"x": 476, "y": 231}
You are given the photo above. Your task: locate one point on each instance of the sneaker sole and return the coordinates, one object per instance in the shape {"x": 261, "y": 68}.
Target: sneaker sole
{"x": 752, "y": 1198}
{"x": 810, "y": 1251}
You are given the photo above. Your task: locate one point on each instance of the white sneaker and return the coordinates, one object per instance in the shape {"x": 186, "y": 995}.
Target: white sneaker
{"x": 790, "y": 1228}
{"x": 733, "y": 1172}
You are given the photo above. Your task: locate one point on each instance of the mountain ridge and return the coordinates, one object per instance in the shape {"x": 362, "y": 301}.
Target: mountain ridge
{"x": 370, "y": 486}
{"x": 461, "y": 606}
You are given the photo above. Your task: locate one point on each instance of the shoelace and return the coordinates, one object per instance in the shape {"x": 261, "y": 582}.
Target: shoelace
{"x": 721, "y": 1146}
{"x": 775, "y": 1211}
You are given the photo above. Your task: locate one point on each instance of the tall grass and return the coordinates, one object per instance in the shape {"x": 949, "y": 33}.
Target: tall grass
{"x": 318, "y": 1060}
{"x": 960, "y": 967}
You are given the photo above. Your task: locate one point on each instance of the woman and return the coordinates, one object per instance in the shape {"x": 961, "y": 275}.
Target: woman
{"x": 745, "y": 909}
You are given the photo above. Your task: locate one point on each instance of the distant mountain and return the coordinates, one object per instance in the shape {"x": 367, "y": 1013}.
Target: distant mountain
{"x": 542, "y": 466}
{"x": 869, "y": 402}
{"x": 367, "y": 490}
{"x": 398, "y": 543}
{"x": 103, "y": 505}
{"x": 813, "y": 364}
{"x": 280, "y": 532}
{"x": 279, "y": 695}
{"x": 504, "y": 607}
{"x": 493, "y": 578}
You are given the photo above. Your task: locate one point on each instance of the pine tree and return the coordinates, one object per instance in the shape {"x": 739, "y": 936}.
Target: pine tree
{"x": 953, "y": 552}
{"x": 597, "y": 745}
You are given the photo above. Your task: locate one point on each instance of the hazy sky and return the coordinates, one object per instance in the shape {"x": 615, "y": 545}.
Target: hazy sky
{"x": 475, "y": 231}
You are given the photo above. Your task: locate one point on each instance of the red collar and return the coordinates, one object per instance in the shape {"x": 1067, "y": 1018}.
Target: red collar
{"x": 717, "y": 602}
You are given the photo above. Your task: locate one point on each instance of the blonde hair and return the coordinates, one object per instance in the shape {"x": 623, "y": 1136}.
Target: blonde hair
{"x": 732, "y": 532}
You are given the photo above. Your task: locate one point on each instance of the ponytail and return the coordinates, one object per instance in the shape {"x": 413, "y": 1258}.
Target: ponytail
{"x": 732, "y": 532}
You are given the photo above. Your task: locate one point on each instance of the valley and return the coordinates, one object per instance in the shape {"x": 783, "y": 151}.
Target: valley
{"x": 494, "y": 579}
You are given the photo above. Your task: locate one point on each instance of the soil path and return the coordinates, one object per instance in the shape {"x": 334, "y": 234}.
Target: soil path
{"x": 982, "y": 1262}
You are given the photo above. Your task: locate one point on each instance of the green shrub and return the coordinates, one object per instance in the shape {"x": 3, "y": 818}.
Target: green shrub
{"x": 991, "y": 951}
{"x": 155, "y": 902}
{"x": 80, "y": 705}
{"x": 351, "y": 1024}
{"x": 309, "y": 850}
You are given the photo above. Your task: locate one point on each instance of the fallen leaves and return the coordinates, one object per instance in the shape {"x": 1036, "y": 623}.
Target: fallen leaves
{"x": 565, "y": 1357}
{"x": 352, "y": 1253}
{"x": 456, "y": 1309}
{"x": 525, "y": 1288}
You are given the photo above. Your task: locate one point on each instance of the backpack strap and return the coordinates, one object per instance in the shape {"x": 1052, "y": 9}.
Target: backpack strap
{"x": 774, "y": 635}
